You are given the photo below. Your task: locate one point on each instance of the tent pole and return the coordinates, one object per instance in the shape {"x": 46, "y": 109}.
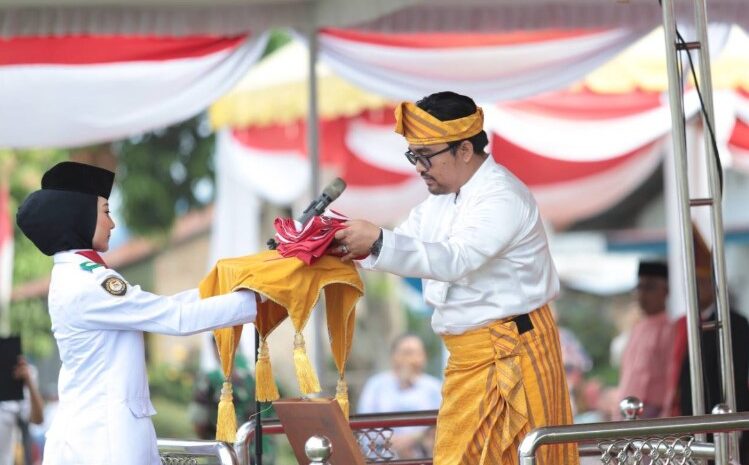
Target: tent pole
{"x": 313, "y": 150}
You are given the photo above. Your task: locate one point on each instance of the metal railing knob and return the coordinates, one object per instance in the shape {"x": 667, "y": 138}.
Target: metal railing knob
{"x": 631, "y": 407}
{"x": 721, "y": 409}
{"x": 318, "y": 450}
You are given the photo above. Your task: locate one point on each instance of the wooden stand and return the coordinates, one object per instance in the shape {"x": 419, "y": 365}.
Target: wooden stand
{"x": 303, "y": 418}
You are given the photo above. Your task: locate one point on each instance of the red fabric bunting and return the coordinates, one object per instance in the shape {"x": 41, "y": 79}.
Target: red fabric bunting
{"x": 90, "y": 50}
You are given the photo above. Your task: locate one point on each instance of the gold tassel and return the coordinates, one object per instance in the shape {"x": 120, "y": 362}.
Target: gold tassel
{"x": 265, "y": 386}
{"x": 341, "y": 395}
{"x": 305, "y": 375}
{"x": 226, "y": 423}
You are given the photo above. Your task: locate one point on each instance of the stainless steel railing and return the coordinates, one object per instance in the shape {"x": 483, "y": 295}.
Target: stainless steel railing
{"x": 374, "y": 423}
{"x": 613, "y": 442}
{"x": 179, "y": 452}
{"x": 651, "y": 437}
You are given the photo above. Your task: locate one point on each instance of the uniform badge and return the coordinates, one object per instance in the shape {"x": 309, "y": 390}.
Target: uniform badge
{"x": 114, "y": 286}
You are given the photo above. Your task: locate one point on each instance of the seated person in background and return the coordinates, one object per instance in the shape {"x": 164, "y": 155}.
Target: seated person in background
{"x": 577, "y": 364}
{"x": 405, "y": 387}
{"x": 643, "y": 373}
{"x": 679, "y": 392}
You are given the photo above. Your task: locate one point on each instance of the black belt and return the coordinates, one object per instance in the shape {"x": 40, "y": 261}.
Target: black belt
{"x": 523, "y": 323}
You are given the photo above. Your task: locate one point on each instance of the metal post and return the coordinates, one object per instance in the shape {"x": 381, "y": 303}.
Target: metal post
{"x": 678, "y": 135}
{"x": 719, "y": 267}
{"x": 204, "y": 452}
{"x": 245, "y": 435}
{"x": 721, "y": 439}
{"x": 313, "y": 151}
{"x": 258, "y": 409}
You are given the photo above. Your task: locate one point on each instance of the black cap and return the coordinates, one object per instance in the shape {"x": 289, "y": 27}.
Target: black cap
{"x": 653, "y": 268}
{"x": 78, "y": 177}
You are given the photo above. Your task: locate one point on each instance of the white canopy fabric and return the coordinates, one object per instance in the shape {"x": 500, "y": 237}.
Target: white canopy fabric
{"x": 595, "y": 150}
{"x": 488, "y": 67}
{"x": 73, "y": 91}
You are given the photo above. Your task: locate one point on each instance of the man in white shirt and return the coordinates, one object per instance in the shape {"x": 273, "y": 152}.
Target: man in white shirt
{"x": 479, "y": 245}
{"x": 403, "y": 388}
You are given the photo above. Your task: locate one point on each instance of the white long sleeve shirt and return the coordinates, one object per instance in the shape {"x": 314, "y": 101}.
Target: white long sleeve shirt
{"x": 105, "y": 408}
{"x": 482, "y": 254}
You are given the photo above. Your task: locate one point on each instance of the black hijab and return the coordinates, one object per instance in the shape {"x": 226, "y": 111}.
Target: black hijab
{"x": 62, "y": 215}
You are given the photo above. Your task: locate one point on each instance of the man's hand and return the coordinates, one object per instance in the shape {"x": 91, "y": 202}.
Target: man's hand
{"x": 22, "y": 372}
{"x": 356, "y": 239}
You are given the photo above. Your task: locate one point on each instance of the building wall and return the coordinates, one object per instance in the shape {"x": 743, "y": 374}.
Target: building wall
{"x": 177, "y": 268}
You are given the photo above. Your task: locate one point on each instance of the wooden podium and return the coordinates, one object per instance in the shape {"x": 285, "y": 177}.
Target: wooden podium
{"x": 303, "y": 418}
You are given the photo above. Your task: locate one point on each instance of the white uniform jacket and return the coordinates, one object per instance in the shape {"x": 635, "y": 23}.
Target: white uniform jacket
{"x": 98, "y": 320}
{"x": 482, "y": 254}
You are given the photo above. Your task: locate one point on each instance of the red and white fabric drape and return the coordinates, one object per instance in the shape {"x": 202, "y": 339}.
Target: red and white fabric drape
{"x": 489, "y": 67}
{"x": 78, "y": 90}
{"x": 579, "y": 152}
{"x": 738, "y": 142}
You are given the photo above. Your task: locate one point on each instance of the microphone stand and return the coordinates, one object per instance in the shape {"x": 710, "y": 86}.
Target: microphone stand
{"x": 258, "y": 406}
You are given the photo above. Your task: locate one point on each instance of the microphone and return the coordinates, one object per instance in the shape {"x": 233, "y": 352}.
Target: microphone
{"x": 317, "y": 207}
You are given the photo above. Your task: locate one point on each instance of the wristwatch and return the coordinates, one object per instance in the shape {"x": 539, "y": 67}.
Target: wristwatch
{"x": 375, "y": 249}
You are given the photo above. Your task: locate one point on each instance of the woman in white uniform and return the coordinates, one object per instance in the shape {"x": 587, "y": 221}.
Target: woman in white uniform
{"x": 98, "y": 320}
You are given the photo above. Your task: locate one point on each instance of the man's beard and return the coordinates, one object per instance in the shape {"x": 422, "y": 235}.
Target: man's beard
{"x": 434, "y": 188}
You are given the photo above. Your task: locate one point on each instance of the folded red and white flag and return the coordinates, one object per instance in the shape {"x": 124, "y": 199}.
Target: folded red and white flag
{"x": 310, "y": 241}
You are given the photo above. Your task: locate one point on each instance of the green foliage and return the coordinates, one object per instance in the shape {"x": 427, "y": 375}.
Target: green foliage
{"x": 30, "y": 320}
{"x": 24, "y": 169}
{"x": 171, "y": 419}
{"x": 421, "y": 325}
{"x": 165, "y": 173}
{"x": 278, "y": 38}
{"x": 588, "y": 317}
{"x": 171, "y": 382}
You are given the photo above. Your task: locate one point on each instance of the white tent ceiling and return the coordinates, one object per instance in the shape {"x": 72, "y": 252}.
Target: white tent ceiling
{"x": 182, "y": 17}
{"x": 226, "y": 17}
{"x": 485, "y": 15}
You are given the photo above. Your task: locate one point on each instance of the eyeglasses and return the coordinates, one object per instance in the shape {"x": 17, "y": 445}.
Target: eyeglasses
{"x": 425, "y": 159}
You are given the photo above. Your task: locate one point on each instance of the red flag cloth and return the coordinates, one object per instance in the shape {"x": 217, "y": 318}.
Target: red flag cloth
{"x": 312, "y": 241}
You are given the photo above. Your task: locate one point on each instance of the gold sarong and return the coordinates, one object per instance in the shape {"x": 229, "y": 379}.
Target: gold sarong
{"x": 499, "y": 385}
